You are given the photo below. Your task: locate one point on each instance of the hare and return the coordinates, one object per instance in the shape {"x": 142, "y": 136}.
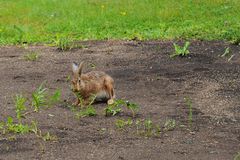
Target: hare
{"x": 96, "y": 83}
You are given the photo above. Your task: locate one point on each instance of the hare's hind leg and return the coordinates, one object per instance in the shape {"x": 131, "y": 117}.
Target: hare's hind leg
{"x": 110, "y": 91}
{"x": 111, "y": 96}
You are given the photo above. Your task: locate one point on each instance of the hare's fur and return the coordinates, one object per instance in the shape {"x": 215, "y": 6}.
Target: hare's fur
{"x": 96, "y": 83}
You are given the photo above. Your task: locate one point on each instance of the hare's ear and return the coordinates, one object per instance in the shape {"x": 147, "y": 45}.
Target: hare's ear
{"x": 75, "y": 68}
{"x": 80, "y": 68}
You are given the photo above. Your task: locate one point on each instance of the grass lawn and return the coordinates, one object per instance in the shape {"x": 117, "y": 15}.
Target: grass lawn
{"x": 44, "y": 21}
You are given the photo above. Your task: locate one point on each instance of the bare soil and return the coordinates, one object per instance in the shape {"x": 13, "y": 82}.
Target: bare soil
{"x": 144, "y": 74}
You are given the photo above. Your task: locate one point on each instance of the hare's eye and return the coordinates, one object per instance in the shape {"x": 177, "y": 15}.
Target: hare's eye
{"x": 79, "y": 80}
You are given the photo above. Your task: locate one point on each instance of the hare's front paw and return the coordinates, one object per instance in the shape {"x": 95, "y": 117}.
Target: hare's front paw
{"x": 76, "y": 103}
{"x": 110, "y": 101}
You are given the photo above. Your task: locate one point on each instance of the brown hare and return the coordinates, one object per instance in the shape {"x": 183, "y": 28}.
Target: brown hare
{"x": 96, "y": 83}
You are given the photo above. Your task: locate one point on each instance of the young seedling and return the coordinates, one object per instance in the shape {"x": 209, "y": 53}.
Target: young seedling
{"x": 86, "y": 112}
{"x": 35, "y": 129}
{"x": 145, "y": 127}
{"x": 158, "y": 129}
{"x": 39, "y": 98}
{"x": 237, "y": 157}
{"x": 16, "y": 128}
{"x": 138, "y": 125}
{"x": 49, "y": 137}
{"x": 148, "y": 125}
{"x": 20, "y": 106}
{"x": 181, "y": 51}
{"x": 32, "y": 56}
{"x": 129, "y": 122}
{"x": 114, "y": 108}
{"x": 169, "y": 125}
{"x": 120, "y": 124}
{"x": 133, "y": 107}
{"x": 227, "y": 53}
{"x": 55, "y": 98}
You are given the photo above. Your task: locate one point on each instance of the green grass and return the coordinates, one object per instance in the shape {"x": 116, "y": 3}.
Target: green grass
{"x": 44, "y": 21}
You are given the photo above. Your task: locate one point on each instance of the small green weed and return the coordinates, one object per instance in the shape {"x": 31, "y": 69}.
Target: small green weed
{"x": 138, "y": 125}
{"x": 169, "y": 125}
{"x": 10, "y": 127}
{"x": 158, "y": 129}
{"x": 35, "y": 129}
{"x": 55, "y": 98}
{"x": 148, "y": 127}
{"x": 181, "y": 51}
{"x": 227, "y": 53}
{"x": 15, "y": 125}
{"x": 40, "y": 98}
{"x": 116, "y": 107}
{"x": 112, "y": 110}
{"x": 143, "y": 127}
{"x": 20, "y": 106}
{"x": 133, "y": 107}
{"x": 86, "y": 110}
{"x": 49, "y": 137}
{"x": 89, "y": 111}
{"x": 32, "y": 56}
{"x": 19, "y": 128}
{"x": 120, "y": 124}
{"x": 237, "y": 157}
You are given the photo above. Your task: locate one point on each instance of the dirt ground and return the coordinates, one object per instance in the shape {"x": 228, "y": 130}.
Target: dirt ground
{"x": 144, "y": 74}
